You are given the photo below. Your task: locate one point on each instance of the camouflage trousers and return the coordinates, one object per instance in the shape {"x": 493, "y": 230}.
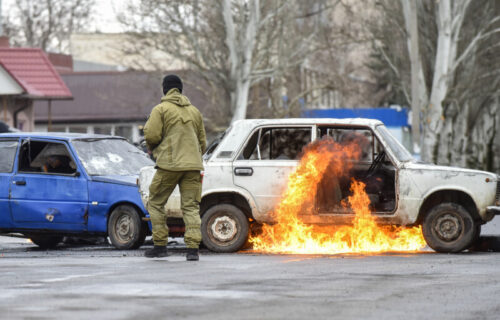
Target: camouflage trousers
{"x": 164, "y": 182}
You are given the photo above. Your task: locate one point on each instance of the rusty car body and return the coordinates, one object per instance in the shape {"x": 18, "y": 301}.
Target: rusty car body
{"x": 62, "y": 184}
{"x": 245, "y": 175}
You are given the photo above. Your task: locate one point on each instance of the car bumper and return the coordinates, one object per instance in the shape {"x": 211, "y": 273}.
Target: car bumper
{"x": 494, "y": 210}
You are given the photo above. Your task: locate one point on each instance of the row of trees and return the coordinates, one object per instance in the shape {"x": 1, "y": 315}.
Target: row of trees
{"x": 439, "y": 57}
{"x": 233, "y": 45}
{"x": 45, "y": 24}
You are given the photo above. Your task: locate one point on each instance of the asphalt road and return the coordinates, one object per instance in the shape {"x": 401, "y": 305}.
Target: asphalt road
{"x": 98, "y": 282}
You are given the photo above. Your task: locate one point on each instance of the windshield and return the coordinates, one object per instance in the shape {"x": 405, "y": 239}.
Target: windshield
{"x": 214, "y": 144}
{"x": 399, "y": 151}
{"x": 102, "y": 157}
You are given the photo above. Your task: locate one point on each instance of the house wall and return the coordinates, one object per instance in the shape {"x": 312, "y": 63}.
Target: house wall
{"x": 25, "y": 119}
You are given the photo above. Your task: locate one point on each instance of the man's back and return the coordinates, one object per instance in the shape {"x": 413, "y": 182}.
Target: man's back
{"x": 176, "y": 134}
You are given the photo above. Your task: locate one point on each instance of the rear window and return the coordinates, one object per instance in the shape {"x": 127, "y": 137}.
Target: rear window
{"x": 7, "y": 154}
{"x": 282, "y": 143}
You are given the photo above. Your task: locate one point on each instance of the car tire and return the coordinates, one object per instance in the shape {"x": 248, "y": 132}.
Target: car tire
{"x": 45, "y": 241}
{"x": 125, "y": 228}
{"x": 449, "y": 227}
{"x": 224, "y": 228}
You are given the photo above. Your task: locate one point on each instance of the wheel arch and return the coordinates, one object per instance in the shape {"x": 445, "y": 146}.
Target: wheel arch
{"x": 230, "y": 197}
{"x": 448, "y": 195}
{"x": 119, "y": 203}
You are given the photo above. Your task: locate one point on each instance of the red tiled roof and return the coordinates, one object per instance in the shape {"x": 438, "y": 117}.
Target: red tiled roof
{"x": 34, "y": 72}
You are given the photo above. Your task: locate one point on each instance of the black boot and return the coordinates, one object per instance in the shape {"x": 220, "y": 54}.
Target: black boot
{"x": 156, "y": 252}
{"x": 192, "y": 255}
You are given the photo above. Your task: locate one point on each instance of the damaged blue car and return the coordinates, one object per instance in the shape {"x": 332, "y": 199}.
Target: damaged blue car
{"x": 60, "y": 184}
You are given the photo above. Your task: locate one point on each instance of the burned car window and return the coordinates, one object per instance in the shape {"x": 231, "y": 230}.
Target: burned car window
{"x": 45, "y": 157}
{"x": 360, "y": 136}
{"x": 276, "y": 144}
{"x": 102, "y": 157}
{"x": 8, "y": 150}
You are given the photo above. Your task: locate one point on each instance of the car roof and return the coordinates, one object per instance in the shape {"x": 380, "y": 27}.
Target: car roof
{"x": 57, "y": 135}
{"x": 307, "y": 121}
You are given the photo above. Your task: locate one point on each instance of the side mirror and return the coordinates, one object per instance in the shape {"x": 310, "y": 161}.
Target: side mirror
{"x": 76, "y": 174}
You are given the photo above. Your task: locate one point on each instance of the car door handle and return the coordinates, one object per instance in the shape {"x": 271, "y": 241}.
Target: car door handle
{"x": 243, "y": 171}
{"x": 20, "y": 183}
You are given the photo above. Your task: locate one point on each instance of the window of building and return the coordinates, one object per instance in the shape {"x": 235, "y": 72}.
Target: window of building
{"x": 124, "y": 131}
{"x": 102, "y": 130}
{"x": 56, "y": 128}
{"x": 77, "y": 129}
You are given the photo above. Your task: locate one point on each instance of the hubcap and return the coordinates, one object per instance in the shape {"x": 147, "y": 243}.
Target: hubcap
{"x": 448, "y": 227}
{"x": 124, "y": 228}
{"x": 224, "y": 228}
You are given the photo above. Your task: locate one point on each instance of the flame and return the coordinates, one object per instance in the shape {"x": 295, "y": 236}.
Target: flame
{"x": 291, "y": 235}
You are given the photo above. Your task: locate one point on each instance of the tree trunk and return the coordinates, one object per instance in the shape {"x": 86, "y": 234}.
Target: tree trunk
{"x": 241, "y": 54}
{"x": 419, "y": 96}
{"x": 433, "y": 121}
{"x": 241, "y": 99}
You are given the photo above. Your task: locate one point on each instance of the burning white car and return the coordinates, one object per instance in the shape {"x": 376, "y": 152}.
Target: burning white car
{"x": 247, "y": 170}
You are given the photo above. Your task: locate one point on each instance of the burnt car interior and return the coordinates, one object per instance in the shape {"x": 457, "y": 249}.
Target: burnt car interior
{"x": 45, "y": 157}
{"x": 374, "y": 168}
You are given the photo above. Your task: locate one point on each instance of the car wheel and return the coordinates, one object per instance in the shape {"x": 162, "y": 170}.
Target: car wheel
{"x": 45, "y": 241}
{"x": 449, "y": 227}
{"x": 224, "y": 228}
{"x": 125, "y": 228}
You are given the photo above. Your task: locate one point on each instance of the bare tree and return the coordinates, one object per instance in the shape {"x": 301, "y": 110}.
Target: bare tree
{"x": 46, "y": 24}
{"x": 447, "y": 45}
{"x": 231, "y": 44}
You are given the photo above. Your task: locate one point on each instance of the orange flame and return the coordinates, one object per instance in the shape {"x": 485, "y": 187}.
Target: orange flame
{"x": 291, "y": 235}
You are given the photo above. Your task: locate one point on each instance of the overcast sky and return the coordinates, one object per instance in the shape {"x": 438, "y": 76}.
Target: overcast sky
{"x": 104, "y": 17}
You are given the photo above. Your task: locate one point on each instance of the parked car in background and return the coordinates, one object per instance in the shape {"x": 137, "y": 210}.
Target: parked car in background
{"x": 246, "y": 171}
{"x": 61, "y": 184}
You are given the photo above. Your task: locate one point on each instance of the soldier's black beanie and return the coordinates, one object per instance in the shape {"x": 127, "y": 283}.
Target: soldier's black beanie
{"x": 171, "y": 81}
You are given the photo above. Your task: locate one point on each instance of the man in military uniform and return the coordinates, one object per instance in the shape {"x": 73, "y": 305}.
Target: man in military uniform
{"x": 175, "y": 134}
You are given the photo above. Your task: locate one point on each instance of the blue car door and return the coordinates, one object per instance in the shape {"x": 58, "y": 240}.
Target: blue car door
{"x": 47, "y": 191}
{"x": 8, "y": 149}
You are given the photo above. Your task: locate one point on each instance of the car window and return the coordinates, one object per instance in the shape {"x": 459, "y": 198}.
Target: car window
{"x": 399, "y": 151}
{"x": 8, "y": 150}
{"x": 343, "y": 135}
{"x": 214, "y": 144}
{"x": 45, "y": 157}
{"x": 284, "y": 143}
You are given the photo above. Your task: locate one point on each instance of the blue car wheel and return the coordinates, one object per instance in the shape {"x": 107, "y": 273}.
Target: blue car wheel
{"x": 125, "y": 228}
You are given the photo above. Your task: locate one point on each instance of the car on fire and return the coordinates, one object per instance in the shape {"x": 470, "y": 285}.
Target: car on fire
{"x": 62, "y": 184}
{"x": 247, "y": 168}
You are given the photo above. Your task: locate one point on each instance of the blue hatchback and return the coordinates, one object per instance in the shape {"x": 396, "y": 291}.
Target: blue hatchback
{"x": 58, "y": 184}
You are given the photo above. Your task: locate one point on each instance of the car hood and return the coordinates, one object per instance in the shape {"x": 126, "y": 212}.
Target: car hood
{"x": 125, "y": 180}
{"x": 455, "y": 170}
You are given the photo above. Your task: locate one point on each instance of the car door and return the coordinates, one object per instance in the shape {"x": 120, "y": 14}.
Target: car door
{"x": 267, "y": 159}
{"x": 48, "y": 193}
{"x": 8, "y": 149}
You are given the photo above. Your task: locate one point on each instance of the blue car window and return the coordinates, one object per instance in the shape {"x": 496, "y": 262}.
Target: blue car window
{"x": 45, "y": 157}
{"x": 7, "y": 154}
